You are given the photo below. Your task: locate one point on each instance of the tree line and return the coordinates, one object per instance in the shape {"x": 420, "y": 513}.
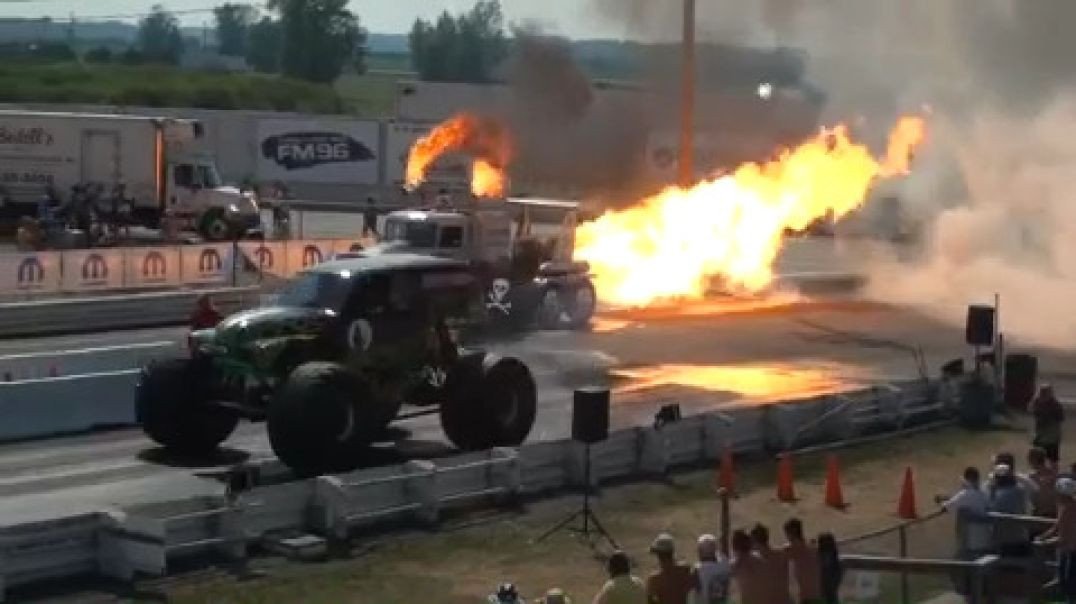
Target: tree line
{"x": 312, "y": 40}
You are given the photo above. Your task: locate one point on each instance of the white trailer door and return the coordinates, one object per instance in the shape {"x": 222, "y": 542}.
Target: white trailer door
{"x": 100, "y": 157}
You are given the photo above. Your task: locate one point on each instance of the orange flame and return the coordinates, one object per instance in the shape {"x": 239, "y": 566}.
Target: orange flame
{"x": 486, "y": 140}
{"x": 674, "y": 244}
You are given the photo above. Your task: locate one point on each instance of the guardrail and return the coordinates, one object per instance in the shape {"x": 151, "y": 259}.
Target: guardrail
{"x": 146, "y": 539}
{"x": 33, "y": 275}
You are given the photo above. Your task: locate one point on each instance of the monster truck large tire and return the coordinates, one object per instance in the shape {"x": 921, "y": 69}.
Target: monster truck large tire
{"x": 321, "y": 419}
{"x": 171, "y": 405}
{"x": 567, "y": 306}
{"x": 489, "y": 401}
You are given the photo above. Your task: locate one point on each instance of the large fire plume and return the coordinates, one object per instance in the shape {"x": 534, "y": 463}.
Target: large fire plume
{"x": 485, "y": 140}
{"x": 729, "y": 229}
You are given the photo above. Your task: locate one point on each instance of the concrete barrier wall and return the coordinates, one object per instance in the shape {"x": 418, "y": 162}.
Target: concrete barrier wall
{"x": 50, "y": 406}
{"x": 145, "y": 539}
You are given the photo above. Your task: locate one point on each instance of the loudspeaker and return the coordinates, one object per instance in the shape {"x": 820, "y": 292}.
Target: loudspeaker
{"x": 1021, "y": 373}
{"x": 980, "y": 326}
{"x": 590, "y": 415}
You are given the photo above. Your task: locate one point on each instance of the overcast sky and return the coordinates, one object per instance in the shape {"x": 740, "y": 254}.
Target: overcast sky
{"x": 568, "y": 17}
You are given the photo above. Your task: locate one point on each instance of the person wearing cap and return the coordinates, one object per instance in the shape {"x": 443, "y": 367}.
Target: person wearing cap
{"x": 555, "y": 596}
{"x": 711, "y": 573}
{"x": 1007, "y": 497}
{"x": 775, "y": 562}
{"x": 1004, "y": 458}
{"x": 506, "y": 594}
{"x": 1062, "y": 535}
{"x": 672, "y": 583}
{"x": 748, "y": 571}
{"x": 622, "y": 587}
{"x": 1049, "y": 416}
{"x": 804, "y": 561}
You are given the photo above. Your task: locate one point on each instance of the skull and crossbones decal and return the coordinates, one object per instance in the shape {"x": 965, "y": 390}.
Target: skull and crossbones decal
{"x": 497, "y": 296}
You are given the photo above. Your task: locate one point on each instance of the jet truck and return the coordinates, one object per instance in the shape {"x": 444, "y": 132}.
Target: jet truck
{"x": 157, "y": 160}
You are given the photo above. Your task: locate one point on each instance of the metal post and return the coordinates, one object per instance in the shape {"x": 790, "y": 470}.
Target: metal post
{"x": 687, "y": 98}
{"x": 902, "y": 532}
{"x": 586, "y": 491}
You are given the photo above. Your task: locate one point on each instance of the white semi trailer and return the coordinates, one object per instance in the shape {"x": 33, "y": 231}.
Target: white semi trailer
{"x": 156, "y": 159}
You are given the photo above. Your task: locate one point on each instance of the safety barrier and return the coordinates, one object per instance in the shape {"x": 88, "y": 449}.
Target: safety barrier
{"x": 146, "y": 539}
{"x": 85, "y": 361}
{"x": 57, "y": 316}
{"x": 53, "y": 549}
{"x": 50, "y": 406}
{"x": 34, "y": 275}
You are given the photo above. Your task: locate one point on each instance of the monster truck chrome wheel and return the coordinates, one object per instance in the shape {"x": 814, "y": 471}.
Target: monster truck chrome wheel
{"x": 171, "y": 406}
{"x": 567, "y": 307}
{"x": 489, "y": 401}
{"x": 321, "y": 419}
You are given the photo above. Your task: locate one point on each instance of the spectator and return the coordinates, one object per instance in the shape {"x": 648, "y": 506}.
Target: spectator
{"x": 748, "y": 571}
{"x": 671, "y": 584}
{"x": 831, "y": 571}
{"x": 973, "y": 535}
{"x": 369, "y": 218}
{"x": 776, "y": 565}
{"x": 555, "y": 596}
{"x": 622, "y": 587}
{"x": 205, "y": 315}
{"x": 1043, "y": 475}
{"x": 1008, "y": 459}
{"x": 506, "y": 594}
{"x": 1049, "y": 416}
{"x": 1009, "y": 498}
{"x": 804, "y": 561}
{"x": 711, "y": 573}
{"x": 1063, "y": 535}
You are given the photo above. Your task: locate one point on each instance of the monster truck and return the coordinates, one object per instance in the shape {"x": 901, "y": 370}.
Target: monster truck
{"x": 330, "y": 363}
{"x": 519, "y": 249}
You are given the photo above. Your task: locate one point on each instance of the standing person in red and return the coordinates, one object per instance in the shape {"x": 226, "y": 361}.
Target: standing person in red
{"x": 748, "y": 571}
{"x": 205, "y": 315}
{"x": 804, "y": 561}
{"x": 672, "y": 583}
{"x": 776, "y": 565}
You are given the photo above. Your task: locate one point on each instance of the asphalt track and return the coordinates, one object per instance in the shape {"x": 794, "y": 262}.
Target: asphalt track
{"x": 701, "y": 357}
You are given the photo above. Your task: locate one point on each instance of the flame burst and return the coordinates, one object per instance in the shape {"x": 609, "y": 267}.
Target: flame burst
{"x": 486, "y": 140}
{"x": 673, "y": 245}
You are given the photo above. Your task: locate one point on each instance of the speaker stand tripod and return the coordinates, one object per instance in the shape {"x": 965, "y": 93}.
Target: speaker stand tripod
{"x": 591, "y": 524}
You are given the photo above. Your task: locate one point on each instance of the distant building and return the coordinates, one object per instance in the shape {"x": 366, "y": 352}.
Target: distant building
{"x": 211, "y": 60}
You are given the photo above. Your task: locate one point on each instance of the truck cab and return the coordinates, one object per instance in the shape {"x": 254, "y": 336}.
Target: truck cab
{"x": 194, "y": 190}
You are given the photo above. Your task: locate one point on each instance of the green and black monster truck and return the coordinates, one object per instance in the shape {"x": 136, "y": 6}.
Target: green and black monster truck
{"x": 329, "y": 365}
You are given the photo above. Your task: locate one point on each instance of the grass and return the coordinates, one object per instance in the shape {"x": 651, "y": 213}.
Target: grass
{"x": 461, "y": 564}
{"x": 160, "y": 86}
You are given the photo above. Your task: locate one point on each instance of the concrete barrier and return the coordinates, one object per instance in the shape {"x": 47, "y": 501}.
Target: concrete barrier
{"x": 86, "y": 361}
{"x": 145, "y": 539}
{"x": 51, "y": 406}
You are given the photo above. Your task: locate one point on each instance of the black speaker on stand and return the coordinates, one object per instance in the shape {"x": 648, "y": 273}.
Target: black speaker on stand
{"x": 590, "y": 425}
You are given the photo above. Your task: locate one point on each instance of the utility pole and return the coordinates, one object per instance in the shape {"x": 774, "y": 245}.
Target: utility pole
{"x": 687, "y": 99}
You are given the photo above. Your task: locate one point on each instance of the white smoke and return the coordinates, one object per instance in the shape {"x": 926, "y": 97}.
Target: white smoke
{"x": 1012, "y": 234}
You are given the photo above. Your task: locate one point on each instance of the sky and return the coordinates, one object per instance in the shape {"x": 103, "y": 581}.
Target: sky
{"x": 572, "y": 18}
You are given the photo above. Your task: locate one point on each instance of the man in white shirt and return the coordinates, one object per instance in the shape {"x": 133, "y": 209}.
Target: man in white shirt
{"x": 974, "y": 537}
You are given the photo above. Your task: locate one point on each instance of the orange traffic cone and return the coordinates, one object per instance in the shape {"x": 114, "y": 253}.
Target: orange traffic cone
{"x": 725, "y": 478}
{"x": 906, "y": 506}
{"x": 785, "y": 492}
{"x": 834, "y": 495}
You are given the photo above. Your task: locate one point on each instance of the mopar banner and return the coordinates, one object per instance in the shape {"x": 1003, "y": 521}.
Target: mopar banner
{"x": 30, "y": 273}
{"x": 152, "y": 267}
{"x": 319, "y": 151}
{"x": 264, "y": 258}
{"x": 206, "y": 264}
{"x": 450, "y": 171}
{"x": 86, "y": 270}
{"x": 306, "y": 254}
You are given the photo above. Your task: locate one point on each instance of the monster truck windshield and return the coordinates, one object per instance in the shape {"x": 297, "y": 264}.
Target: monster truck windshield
{"x": 317, "y": 290}
{"x": 415, "y": 234}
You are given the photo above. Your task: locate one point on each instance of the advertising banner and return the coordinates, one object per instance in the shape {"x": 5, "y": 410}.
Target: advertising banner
{"x": 206, "y": 264}
{"x": 319, "y": 151}
{"x": 152, "y": 267}
{"x": 89, "y": 270}
{"x": 264, "y": 257}
{"x": 306, "y": 254}
{"x": 451, "y": 171}
{"x": 37, "y": 151}
{"x": 30, "y": 273}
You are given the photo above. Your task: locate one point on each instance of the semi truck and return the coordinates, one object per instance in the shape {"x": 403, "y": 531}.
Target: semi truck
{"x": 157, "y": 161}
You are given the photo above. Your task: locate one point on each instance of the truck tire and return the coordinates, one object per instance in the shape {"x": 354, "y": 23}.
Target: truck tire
{"x": 321, "y": 419}
{"x": 171, "y": 405}
{"x": 567, "y": 306}
{"x": 489, "y": 401}
{"x": 215, "y": 226}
